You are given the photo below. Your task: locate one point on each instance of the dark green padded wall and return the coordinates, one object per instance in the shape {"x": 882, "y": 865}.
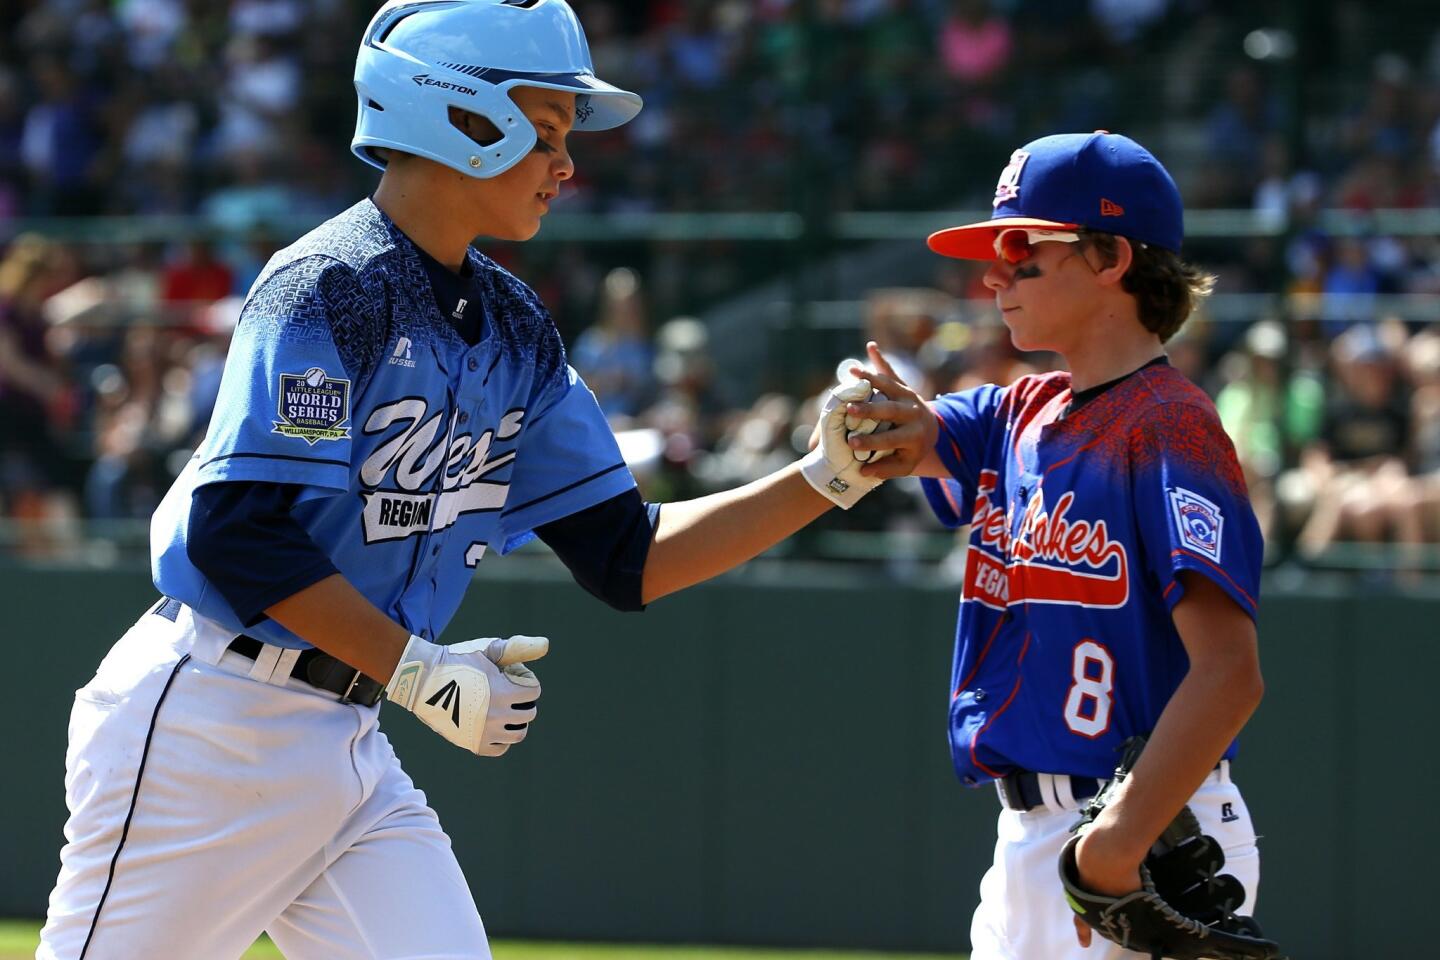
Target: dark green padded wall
{"x": 763, "y": 760}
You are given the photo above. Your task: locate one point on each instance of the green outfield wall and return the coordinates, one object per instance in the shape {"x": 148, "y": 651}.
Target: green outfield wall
{"x": 763, "y": 760}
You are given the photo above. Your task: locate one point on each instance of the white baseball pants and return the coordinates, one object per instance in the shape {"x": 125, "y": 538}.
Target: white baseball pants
{"x": 212, "y": 797}
{"x": 1023, "y": 914}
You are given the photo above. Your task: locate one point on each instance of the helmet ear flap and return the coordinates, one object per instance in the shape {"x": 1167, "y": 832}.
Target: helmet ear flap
{"x": 417, "y": 109}
{"x": 478, "y": 128}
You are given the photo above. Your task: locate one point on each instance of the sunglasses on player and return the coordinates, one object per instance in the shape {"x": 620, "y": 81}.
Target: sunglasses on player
{"x": 1017, "y": 244}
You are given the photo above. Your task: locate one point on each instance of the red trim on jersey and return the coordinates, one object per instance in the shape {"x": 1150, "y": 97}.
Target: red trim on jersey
{"x": 1173, "y": 585}
{"x": 1078, "y": 450}
{"x": 949, "y": 497}
{"x": 981, "y": 658}
{"x": 1218, "y": 569}
{"x": 1003, "y": 707}
{"x": 1037, "y": 421}
{"x": 1041, "y": 583}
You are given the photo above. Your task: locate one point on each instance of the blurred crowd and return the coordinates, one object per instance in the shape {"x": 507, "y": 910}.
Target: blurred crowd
{"x": 1337, "y": 424}
{"x": 237, "y": 114}
{"x": 235, "y": 109}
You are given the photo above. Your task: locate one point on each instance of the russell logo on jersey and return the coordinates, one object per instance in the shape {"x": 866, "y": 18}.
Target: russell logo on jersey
{"x": 400, "y": 356}
{"x": 1052, "y": 558}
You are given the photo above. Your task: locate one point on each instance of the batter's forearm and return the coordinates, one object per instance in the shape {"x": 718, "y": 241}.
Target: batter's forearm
{"x": 698, "y": 539}
{"x": 335, "y": 617}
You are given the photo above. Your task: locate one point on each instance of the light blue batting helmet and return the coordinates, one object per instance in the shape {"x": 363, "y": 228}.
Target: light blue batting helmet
{"x": 420, "y": 57}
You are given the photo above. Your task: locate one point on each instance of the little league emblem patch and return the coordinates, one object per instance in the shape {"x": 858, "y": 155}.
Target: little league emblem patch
{"x": 1198, "y": 521}
{"x": 313, "y": 406}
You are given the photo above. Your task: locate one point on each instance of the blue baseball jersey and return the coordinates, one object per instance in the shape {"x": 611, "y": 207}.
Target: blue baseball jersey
{"x": 417, "y": 453}
{"x": 1079, "y": 526}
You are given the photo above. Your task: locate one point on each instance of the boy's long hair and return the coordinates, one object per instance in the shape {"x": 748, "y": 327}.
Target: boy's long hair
{"x": 1166, "y": 289}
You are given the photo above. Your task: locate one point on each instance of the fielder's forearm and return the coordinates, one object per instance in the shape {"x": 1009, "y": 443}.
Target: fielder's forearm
{"x": 1211, "y": 705}
{"x": 337, "y": 618}
{"x": 697, "y": 539}
{"x": 1202, "y": 718}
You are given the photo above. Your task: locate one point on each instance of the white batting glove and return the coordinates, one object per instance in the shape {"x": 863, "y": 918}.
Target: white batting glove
{"x": 479, "y": 694}
{"x": 832, "y": 468}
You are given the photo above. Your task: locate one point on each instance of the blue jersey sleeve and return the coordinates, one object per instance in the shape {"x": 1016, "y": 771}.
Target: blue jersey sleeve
{"x": 966, "y": 420}
{"x": 567, "y": 460}
{"x": 1192, "y": 509}
{"x": 296, "y": 364}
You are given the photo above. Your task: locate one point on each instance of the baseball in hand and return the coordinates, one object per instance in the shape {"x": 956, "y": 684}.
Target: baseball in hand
{"x": 869, "y": 456}
{"x": 843, "y": 375}
{"x": 855, "y": 424}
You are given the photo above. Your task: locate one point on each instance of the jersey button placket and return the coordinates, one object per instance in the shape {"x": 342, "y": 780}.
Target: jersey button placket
{"x": 1022, "y": 501}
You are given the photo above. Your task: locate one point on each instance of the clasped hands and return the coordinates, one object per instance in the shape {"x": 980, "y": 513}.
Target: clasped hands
{"x": 873, "y": 426}
{"x": 480, "y": 696}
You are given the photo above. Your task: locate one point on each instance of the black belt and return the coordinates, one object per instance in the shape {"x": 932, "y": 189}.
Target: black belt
{"x": 313, "y": 666}
{"x": 1021, "y": 790}
{"x": 323, "y": 672}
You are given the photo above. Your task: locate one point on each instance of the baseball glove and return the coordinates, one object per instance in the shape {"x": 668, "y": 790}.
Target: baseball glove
{"x": 1184, "y": 909}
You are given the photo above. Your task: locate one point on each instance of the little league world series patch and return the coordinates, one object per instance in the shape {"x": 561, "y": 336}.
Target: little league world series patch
{"x": 1198, "y": 521}
{"x": 313, "y": 406}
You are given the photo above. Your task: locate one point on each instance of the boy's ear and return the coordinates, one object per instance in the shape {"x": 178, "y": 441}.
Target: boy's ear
{"x": 1114, "y": 271}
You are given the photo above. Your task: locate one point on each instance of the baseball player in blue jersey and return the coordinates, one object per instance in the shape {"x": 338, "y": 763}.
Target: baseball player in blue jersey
{"x": 394, "y": 407}
{"x": 1113, "y": 565}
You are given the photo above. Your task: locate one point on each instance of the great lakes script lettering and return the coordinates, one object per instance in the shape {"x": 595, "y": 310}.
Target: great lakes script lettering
{"x": 1051, "y": 558}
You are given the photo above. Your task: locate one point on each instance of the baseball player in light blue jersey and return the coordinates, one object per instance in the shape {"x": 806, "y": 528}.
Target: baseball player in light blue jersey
{"x": 394, "y": 407}
{"x": 1112, "y": 574}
